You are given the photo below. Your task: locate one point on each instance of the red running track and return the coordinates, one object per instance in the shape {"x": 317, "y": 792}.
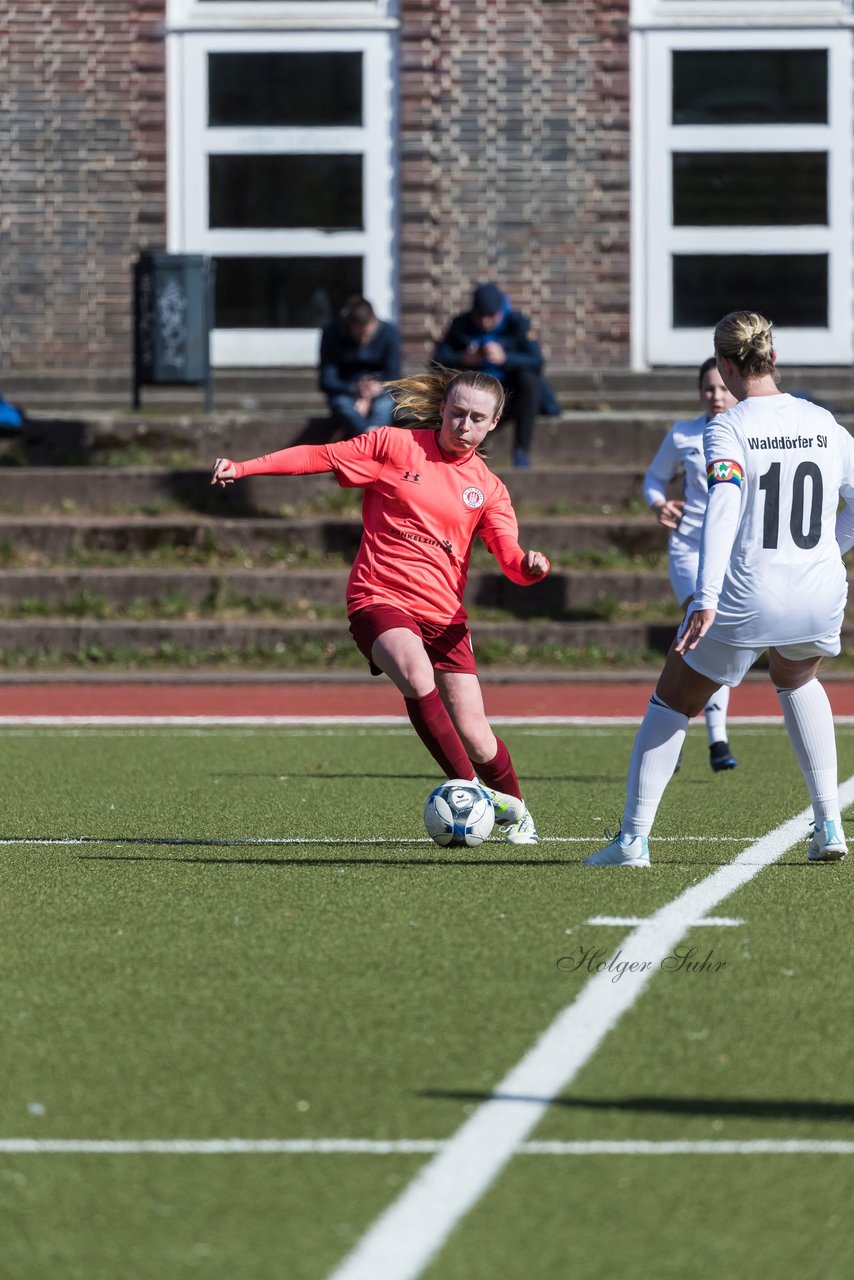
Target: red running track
{"x": 359, "y": 698}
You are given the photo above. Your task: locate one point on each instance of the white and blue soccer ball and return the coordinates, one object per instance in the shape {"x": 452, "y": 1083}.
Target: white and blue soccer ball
{"x": 459, "y": 812}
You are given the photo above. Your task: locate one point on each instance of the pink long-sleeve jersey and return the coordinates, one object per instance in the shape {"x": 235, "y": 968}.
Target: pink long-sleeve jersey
{"x": 421, "y": 510}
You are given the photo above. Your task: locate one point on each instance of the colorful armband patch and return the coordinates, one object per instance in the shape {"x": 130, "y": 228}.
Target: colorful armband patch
{"x": 724, "y": 471}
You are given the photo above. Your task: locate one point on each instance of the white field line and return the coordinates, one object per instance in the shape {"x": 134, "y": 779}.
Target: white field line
{"x": 411, "y": 1231}
{"x": 712, "y": 922}
{"x": 346, "y": 841}
{"x": 249, "y": 726}
{"x": 406, "y": 1147}
{"x": 306, "y": 722}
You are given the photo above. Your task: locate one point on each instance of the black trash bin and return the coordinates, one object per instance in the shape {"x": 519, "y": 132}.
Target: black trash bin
{"x": 173, "y": 318}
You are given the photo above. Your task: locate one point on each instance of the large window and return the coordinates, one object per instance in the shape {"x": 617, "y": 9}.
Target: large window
{"x": 742, "y": 179}
{"x": 280, "y": 165}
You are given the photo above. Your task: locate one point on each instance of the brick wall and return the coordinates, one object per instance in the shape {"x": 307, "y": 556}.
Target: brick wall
{"x": 515, "y": 167}
{"x": 82, "y": 175}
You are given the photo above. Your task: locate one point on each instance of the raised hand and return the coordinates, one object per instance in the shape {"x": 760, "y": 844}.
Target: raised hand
{"x": 536, "y": 564}
{"x": 224, "y": 472}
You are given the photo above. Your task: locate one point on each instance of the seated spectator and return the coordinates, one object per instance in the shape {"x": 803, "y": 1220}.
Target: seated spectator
{"x": 358, "y": 353}
{"x": 495, "y": 339}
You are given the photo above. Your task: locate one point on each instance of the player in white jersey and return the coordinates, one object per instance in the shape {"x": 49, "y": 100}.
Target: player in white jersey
{"x": 682, "y": 450}
{"x": 771, "y": 577}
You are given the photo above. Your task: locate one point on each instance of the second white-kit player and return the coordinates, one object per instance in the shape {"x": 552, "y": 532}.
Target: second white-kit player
{"x": 771, "y": 577}
{"x": 682, "y": 450}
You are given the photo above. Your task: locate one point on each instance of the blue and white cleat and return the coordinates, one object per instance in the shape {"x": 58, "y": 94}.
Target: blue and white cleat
{"x": 827, "y": 842}
{"x": 623, "y": 851}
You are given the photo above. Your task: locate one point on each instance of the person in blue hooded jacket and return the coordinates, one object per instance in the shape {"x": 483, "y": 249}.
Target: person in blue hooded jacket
{"x": 495, "y": 339}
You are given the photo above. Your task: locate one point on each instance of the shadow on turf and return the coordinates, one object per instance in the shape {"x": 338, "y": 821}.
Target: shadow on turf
{"x": 744, "y": 1108}
{"x": 312, "y": 862}
{"x": 231, "y": 843}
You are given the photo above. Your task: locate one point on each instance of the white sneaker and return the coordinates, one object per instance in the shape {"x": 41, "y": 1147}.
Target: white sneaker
{"x": 623, "y": 851}
{"x": 508, "y": 809}
{"x": 521, "y": 832}
{"x": 827, "y": 842}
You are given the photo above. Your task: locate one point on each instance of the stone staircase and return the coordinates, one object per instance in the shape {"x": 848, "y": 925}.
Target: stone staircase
{"x": 116, "y": 553}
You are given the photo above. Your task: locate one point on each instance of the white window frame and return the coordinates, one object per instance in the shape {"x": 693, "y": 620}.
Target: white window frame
{"x": 240, "y": 14}
{"x": 191, "y": 141}
{"x": 729, "y": 13}
{"x": 655, "y": 239}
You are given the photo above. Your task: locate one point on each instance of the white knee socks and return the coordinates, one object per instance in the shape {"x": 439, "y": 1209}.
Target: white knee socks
{"x": 715, "y": 712}
{"x": 654, "y": 754}
{"x": 809, "y": 721}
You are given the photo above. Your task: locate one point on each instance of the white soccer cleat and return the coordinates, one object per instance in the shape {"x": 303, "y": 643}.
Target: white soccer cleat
{"x": 827, "y": 842}
{"x": 508, "y": 809}
{"x": 623, "y": 851}
{"x": 521, "y": 832}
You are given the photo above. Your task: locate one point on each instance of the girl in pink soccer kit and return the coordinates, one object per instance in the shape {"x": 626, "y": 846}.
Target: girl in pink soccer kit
{"x": 427, "y": 494}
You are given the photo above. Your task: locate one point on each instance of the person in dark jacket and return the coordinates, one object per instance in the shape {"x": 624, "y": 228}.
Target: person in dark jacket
{"x": 358, "y": 353}
{"x": 493, "y": 338}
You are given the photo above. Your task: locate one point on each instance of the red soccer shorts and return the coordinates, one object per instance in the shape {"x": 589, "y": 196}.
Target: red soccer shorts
{"x": 448, "y": 644}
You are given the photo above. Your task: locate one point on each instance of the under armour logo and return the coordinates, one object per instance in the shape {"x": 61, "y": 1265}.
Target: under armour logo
{"x": 414, "y": 477}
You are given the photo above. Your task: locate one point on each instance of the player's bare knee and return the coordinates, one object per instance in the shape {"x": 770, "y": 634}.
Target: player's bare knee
{"x": 682, "y": 689}
{"x": 787, "y": 674}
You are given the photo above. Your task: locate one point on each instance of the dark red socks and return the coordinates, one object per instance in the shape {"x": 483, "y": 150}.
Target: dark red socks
{"x": 435, "y": 728}
{"x": 499, "y": 773}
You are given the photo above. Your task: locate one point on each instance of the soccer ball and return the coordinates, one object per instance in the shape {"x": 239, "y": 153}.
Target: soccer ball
{"x": 459, "y": 812}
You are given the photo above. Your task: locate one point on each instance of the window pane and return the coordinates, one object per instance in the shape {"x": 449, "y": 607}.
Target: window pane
{"x": 749, "y": 189}
{"x": 283, "y": 293}
{"x": 318, "y": 191}
{"x": 285, "y": 89}
{"x": 750, "y": 86}
{"x": 790, "y": 289}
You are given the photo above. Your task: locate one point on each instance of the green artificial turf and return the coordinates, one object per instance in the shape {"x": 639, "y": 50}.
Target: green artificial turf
{"x": 171, "y": 976}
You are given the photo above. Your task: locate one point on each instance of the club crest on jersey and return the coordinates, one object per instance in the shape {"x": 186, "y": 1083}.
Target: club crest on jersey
{"x": 473, "y": 498}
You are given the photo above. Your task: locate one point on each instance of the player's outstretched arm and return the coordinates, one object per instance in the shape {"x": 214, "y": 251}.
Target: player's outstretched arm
{"x": 298, "y": 460}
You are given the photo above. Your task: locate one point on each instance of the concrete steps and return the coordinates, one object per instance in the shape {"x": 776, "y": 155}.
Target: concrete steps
{"x": 576, "y": 438}
{"x": 306, "y": 642}
{"x": 82, "y": 385}
{"x": 614, "y": 437}
{"x": 53, "y": 537}
{"x": 115, "y": 550}
{"x": 189, "y": 591}
{"x": 68, "y": 490}
{"x": 150, "y": 638}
